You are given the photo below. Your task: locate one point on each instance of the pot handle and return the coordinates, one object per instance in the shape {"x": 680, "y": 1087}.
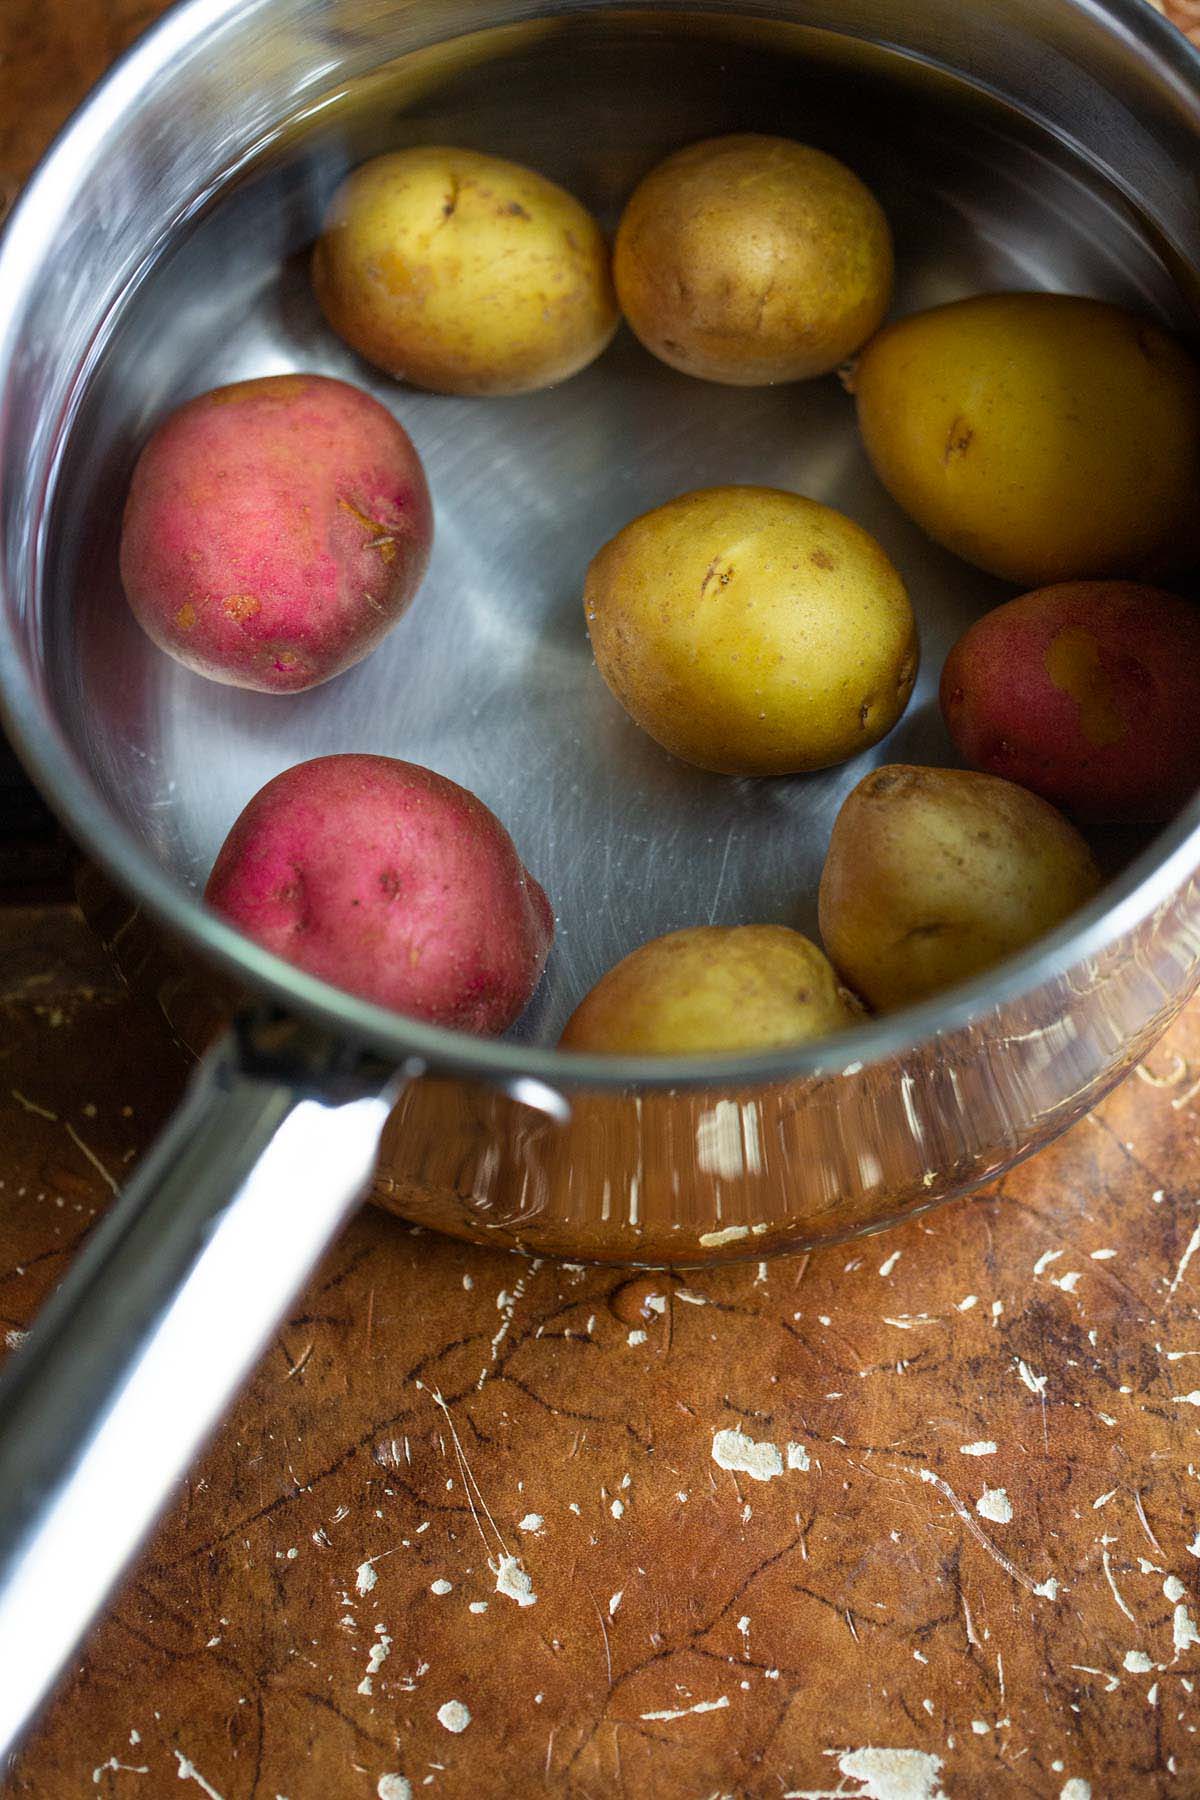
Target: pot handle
{"x": 133, "y": 1359}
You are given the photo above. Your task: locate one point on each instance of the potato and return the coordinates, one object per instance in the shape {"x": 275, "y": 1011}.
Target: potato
{"x": 752, "y": 631}
{"x": 935, "y": 874}
{"x": 752, "y": 260}
{"x": 464, "y": 273}
{"x": 710, "y": 989}
{"x": 1088, "y": 693}
{"x": 391, "y": 882}
{"x": 275, "y": 531}
{"x": 1040, "y": 436}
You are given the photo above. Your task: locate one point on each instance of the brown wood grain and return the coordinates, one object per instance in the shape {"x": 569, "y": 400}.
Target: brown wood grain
{"x": 1021, "y": 1613}
{"x": 898, "y": 1610}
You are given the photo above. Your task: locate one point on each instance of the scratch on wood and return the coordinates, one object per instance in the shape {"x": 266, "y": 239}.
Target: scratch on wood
{"x": 604, "y": 1635}
{"x": 1141, "y": 1513}
{"x": 469, "y": 1481}
{"x": 981, "y": 1537}
{"x": 1181, "y": 1100}
{"x": 1173, "y": 1079}
{"x": 31, "y": 1106}
{"x": 1185, "y": 1259}
{"x": 1116, "y": 1592}
{"x": 189, "y": 1772}
{"x": 90, "y": 1154}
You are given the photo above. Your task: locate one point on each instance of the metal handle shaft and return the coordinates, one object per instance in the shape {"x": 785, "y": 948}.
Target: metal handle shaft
{"x": 133, "y": 1359}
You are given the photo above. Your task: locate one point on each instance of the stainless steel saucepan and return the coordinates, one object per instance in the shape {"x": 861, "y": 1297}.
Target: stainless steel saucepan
{"x": 160, "y": 249}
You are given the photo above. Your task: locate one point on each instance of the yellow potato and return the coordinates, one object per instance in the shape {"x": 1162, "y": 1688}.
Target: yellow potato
{"x": 752, "y": 631}
{"x": 464, "y": 273}
{"x": 710, "y": 989}
{"x": 1044, "y": 438}
{"x": 935, "y": 874}
{"x": 752, "y": 260}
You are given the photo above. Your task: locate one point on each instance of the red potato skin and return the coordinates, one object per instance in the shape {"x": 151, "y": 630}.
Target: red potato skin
{"x": 391, "y": 882}
{"x": 1088, "y": 693}
{"x": 275, "y": 530}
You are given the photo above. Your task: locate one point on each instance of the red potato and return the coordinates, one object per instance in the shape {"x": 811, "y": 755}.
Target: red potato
{"x": 391, "y": 882}
{"x": 1088, "y": 693}
{"x": 275, "y": 530}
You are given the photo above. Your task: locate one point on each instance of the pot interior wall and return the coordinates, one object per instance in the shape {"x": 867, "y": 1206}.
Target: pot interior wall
{"x": 490, "y": 678}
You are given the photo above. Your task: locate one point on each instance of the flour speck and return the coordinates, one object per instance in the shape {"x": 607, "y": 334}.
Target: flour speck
{"x": 734, "y": 1450}
{"x": 394, "y": 1787}
{"x": 893, "y": 1774}
{"x": 511, "y": 1579}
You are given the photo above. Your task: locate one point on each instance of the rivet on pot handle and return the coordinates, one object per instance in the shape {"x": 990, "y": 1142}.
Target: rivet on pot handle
{"x": 134, "y": 1358}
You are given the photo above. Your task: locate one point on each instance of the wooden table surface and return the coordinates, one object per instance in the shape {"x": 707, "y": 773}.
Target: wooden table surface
{"x": 915, "y": 1518}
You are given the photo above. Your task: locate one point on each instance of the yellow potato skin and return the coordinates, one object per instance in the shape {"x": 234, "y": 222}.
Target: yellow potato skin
{"x": 751, "y": 260}
{"x": 752, "y": 631}
{"x": 1042, "y": 437}
{"x": 711, "y": 989}
{"x": 464, "y": 273}
{"x": 935, "y": 874}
